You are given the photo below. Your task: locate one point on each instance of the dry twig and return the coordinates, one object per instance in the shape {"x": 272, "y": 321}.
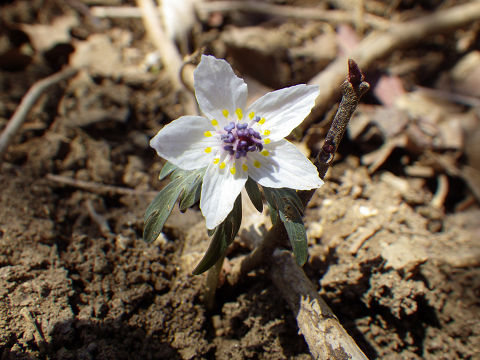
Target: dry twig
{"x": 98, "y": 219}
{"x": 325, "y": 336}
{"x": 380, "y": 44}
{"x": 38, "y": 333}
{"x": 171, "y": 58}
{"x": 323, "y": 332}
{"x": 27, "y": 103}
{"x": 97, "y": 188}
{"x": 306, "y": 13}
{"x": 206, "y": 8}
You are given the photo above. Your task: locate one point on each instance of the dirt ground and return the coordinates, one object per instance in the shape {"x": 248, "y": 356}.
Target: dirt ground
{"x": 394, "y": 236}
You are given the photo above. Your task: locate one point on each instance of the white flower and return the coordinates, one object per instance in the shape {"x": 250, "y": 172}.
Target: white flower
{"x": 235, "y": 142}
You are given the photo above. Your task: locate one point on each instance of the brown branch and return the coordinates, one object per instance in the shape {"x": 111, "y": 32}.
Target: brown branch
{"x": 171, "y": 58}
{"x": 27, "y": 103}
{"x": 380, "y": 44}
{"x": 325, "y": 336}
{"x": 97, "y": 188}
{"x": 353, "y": 89}
{"x": 306, "y": 13}
{"x": 322, "y": 331}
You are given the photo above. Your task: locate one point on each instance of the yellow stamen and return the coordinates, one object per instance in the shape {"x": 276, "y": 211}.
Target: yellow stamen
{"x": 266, "y": 141}
{"x": 256, "y": 163}
{"x": 222, "y": 165}
{"x": 216, "y": 161}
{"x": 265, "y": 153}
{"x": 233, "y": 170}
{"x": 239, "y": 113}
{"x": 251, "y": 115}
{"x": 244, "y": 167}
{"x": 207, "y": 133}
{"x": 225, "y": 113}
{"x": 214, "y": 122}
{"x": 266, "y": 132}
{"x": 262, "y": 121}
{"x": 208, "y": 150}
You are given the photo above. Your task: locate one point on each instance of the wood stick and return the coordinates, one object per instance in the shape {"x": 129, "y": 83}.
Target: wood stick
{"x": 325, "y": 336}
{"x": 380, "y": 44}
{"x": 171, "y": 58}
{"x": 306, "y": 13}
{"x": 27, "y": 103}
{"x": 98, "y": 188}
{"x": 206, "y": 8}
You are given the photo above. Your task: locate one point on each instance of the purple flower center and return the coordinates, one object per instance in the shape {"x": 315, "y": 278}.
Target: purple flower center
{"x": 241, "y": 139}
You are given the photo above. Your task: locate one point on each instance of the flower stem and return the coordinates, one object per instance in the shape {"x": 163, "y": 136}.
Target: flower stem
{"x": 211, "y": 284}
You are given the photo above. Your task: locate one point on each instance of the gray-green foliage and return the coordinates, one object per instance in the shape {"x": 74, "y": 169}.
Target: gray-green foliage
{"x": 289, "y": 208}
{"x": 222, "y": 237}
{"x": 184, "y": 187}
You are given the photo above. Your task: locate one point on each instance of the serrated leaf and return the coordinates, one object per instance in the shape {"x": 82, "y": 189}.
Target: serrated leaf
{"x": 167, "y": 169}
{"x": 222, "y": 237}
{"x": 292, "y": 219}
{"x": 273, "y": 213}
{"x": 290, "y": 209}
{"x": 161, "y": 207}
{"x": 254, "y": 194}
{"x": 191, "y": 195}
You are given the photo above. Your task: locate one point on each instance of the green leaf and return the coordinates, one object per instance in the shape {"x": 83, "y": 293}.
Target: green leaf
{"x": 191, "y": 195}
{"x": 167, "y": 169}
{"x": 290, "y": 209}
{"x": 222, "y": 237}
{"x": 273, "y": 213}
{"x": 182, "y": 185}
{"x": 254, "y": 194}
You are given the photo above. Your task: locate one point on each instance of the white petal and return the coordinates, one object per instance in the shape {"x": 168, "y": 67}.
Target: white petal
{"x": 285, "y": 109}
{"x": 217, "y": 88}
{"x": 285, "y": 166}
{"x": 183, "y": 143}
{"x": 219, "y": 191}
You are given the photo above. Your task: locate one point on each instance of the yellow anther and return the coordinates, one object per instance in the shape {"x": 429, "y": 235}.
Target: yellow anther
{"x": 266, "y": 141}
{"x": 239, "y": 113}
{"x": 222, "y": 165}
{"x": 245, "y": 167}
{"x": 265, "y": 153}
{"x": 214, "y": 122}
{"x": 216, "y": 161}
{"x": 262, "y": 121}
{"x": 266, "y": 132}
{"x": 256, "y": 163}
{"x": 207, "y": 133}
{"x": 208, "y": 150}
{"x": 225, "y": 113}
{"x": 233, "y": 170}
{"x": 251, "y": 115}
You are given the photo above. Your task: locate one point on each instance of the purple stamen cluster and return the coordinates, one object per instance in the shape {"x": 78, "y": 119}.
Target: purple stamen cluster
{"x": 241, "y": 139}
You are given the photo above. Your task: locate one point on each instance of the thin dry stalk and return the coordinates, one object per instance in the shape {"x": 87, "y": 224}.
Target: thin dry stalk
{"x": 353, "y": 89}
{"x": 380, "y": 44}
{"x": 306, "y": 13}
{"x": 322, "y": 331}
{"x": 116, "y": 11}
{"x": 27, "y": 103}
{"x": 325, "y": 336}
{"x": 171, "y": 58}
{"x": 96, "y": 187}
